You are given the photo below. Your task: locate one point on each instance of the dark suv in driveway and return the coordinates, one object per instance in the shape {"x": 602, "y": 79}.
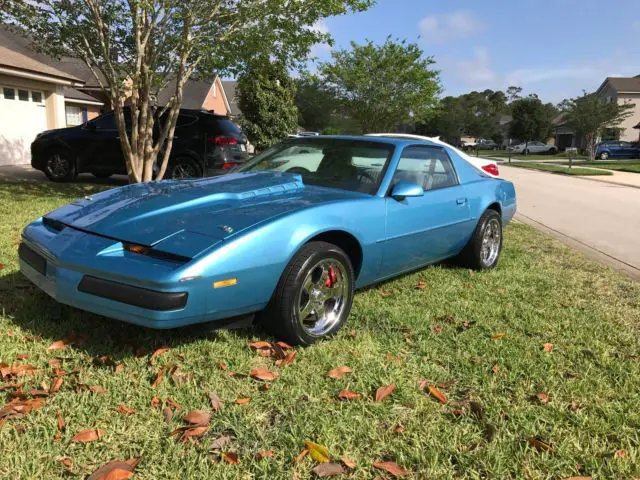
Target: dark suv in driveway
{"x": 204, "y": 144}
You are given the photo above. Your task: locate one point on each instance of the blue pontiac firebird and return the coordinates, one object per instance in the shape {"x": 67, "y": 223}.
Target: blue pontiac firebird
{"x": 291, "y": 235}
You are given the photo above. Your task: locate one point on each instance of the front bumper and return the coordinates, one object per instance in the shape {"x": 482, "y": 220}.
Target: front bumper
{"x": 91, "y": 286}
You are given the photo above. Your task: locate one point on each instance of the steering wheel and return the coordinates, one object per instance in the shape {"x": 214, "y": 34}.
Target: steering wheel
{"x": 362, "y": 176}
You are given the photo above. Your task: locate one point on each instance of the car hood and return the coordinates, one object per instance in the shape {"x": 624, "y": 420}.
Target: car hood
{"x": 188, "y": 216}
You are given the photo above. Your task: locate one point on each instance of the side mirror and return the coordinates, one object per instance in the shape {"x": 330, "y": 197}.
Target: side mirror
{"x": 402, "y": 190}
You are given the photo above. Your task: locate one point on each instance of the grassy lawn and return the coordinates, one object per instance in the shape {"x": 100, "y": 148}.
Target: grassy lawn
{"x": 560, "y": 169}
{"x": 503, "y": 154}
{"x": 622, "y": 165}
{"x": 478, "y": 338}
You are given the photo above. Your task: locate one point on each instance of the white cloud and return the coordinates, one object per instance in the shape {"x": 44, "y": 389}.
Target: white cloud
{"x": 448, "y": 27}
{"x": 320, "y": 27}
{"x": 477, "y": 71}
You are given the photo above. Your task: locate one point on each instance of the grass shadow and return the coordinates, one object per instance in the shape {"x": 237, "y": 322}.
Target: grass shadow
{"x": 38, "y": 315}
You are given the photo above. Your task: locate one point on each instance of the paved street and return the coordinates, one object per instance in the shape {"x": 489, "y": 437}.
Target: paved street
{"x": 601, "y": 218}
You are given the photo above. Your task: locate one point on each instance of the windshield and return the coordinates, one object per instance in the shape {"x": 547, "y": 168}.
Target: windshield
{"x": 355, "y": 165}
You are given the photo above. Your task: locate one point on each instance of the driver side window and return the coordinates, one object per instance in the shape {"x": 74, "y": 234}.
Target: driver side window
{"x": 429, "y": 167}
{"x": 105, "y": 122}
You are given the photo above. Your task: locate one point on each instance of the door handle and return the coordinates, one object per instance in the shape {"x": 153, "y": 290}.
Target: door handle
{"x": 461, "y": 201}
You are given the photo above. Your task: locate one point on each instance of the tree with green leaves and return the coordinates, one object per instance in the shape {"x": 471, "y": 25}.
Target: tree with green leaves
{"x": 266, "y": 97}
{"x": 531, "y": 120}
{"x": 135, "y": 48}
{"x": 317, "y": 105}
{"x": 383, "y": 86}
{"x": 589, "y": 115}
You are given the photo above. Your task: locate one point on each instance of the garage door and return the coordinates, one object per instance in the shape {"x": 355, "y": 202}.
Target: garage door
{"x": 22, "y": 116}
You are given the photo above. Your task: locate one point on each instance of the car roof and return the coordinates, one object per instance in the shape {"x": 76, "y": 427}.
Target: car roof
{"x": 398, "y": 142}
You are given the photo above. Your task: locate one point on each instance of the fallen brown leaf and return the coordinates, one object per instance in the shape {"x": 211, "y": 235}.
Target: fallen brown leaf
{"x": 118, "y": 368}
{"x": 300, "y": 456}
{"x": 434, "y": 392}
{"x": 540, "y": 445}
{"x": 384, "y": 392}
{"x": 57, "y": 345}
{"x": 399, "y": 429}
{"x": 284, "y": 345}
{"x": 86, "y": 436}
{"x": 339, "y": 372}
{"x": 328, "y": 469}
{"x": 67, "y": 462}
{"x": 115, "y": 470}
{"x": 23, "y": 356}
{"x": 167, "y": 413}
{"x": 260, "y": 345}
{"x": 495, "y": 368}
{"x": 12, "y": 386}
{"x": 348, "y": 462}
{"x": 263, "y": 374}
{"x": 392, "y": 468}
{"x": 421, "y": 285}
{"x": 242, "y": 401}
{"x": 436, "y": 329}
{"x": 265, "y": 454}
{"x": 159, "y": 376}
{"x": 216, "y": 403}
{"x": 222, "y": 366}
{"x": 157, "y": 352}
{"x": 97, "y": 389}
{"x": 12, "y": 371}
{"x": 231, "y": 457}
{"x": 348, "y": 395}
{"x": 197, "y": 417}
{"x": 287, "y": 360}
{"x": 54, "y": 362}
{"x": 547, "y": 347}
{"x": 155, "y": 402}
{"x": 319, "y": 453}
{"x": 384, "y": 293}
{"x": 620, "y": 453}
{"x": 264, "y": 387}
{"x": 123, "y": 409}
{"x": 17, "y": 408}
{"x": 60, "y": 421}
{"x": 542, "y": 397}
{"x": 498, "y": 336}
{"x": 56, "y": 383}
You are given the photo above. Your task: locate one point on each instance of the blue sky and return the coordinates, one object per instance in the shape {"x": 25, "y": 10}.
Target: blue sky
{"x": 553, "y": 48}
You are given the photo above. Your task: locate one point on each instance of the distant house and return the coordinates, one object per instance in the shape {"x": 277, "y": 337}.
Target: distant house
{"x": 230, "y": 87}
{"x": 200, "y": 95}
{"x": 624, "y": 90}
{"x": 36, "y": 94}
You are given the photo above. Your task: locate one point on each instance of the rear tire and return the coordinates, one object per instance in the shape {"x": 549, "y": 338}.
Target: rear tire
{"x": 183, "y": 168}
{"x": 485, "y": 245}
{"x": 313, "y": 297}
{"x": 60, "y": 167}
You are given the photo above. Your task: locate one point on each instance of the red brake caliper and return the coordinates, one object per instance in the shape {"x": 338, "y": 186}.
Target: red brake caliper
{"x": 332, "y": 278}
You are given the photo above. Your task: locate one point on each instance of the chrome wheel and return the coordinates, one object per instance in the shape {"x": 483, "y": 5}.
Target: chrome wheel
{"x": 58, "y": 166}
{"x": 182, "y": 171}
{"x": 323, "y": 297}
{"x": 491, "y": 241}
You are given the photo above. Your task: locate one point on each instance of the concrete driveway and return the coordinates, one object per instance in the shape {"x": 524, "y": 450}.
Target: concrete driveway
{"x": 601, "y": 218}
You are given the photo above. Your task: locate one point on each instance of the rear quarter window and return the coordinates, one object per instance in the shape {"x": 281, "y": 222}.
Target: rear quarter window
{"x": 224, "y": 126}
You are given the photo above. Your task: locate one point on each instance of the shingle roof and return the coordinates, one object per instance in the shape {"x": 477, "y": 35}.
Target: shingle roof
{"x": 73, "y": 94}
{"x": 194, "y": 94}
{"x": 230, "y": 91}
{"x": 79, "y": 69}
{"x": 623, "y": 84}
{"x": 15, "y": 53}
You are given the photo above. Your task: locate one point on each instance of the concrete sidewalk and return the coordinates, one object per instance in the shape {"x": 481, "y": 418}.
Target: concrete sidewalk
{"x": 628, "y": 179}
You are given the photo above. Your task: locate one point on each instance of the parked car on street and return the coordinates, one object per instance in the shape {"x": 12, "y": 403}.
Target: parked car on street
{"x": 484, "y": 144}
{"x": 533, "y": 148}
{"x": 204, "y": 144}
{"x": 291, "y": 247}
{"x": 617, "y": 149}
{"x": 488, "y": 167}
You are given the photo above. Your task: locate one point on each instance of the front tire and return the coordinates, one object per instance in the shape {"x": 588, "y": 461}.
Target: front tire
{"x": 183, "y": 168}
{"x": 484, "y": 248}
{"x": 313, "y": 297}
{"x": 60, "y": 167}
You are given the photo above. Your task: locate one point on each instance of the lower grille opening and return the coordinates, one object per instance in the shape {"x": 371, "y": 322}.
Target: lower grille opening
{"x": 31, "y": 258}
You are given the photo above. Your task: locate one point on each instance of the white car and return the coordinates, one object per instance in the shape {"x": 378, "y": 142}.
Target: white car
{"x": 488, "y": 167}
{"x": 534, "y": 147}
